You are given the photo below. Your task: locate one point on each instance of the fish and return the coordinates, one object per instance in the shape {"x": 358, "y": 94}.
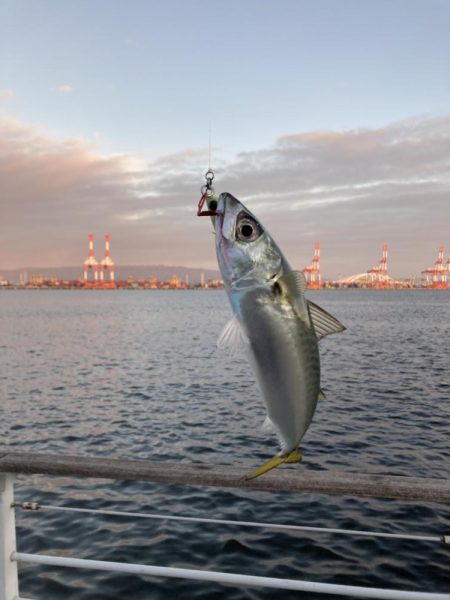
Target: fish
{"x": 275, "y": 323}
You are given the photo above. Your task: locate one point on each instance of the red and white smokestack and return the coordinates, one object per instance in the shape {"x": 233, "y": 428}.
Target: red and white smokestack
{"x": 91, "y": 254}
{"x": 316, "y": 261}
{"x": 90, "y": 262}
{"x": 107, "y": 263}
{"x": 440, "y": 267}
{"x": 107, "y": 245}
{"x": 384, "y": 261}
{"x": 440, "y": 259}
{"x": 316, "y": 252}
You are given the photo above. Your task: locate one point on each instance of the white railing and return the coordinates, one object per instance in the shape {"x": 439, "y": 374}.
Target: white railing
{"x": 9, "y": 583}
{"x": 228, "y": 578}
{"x": 322, "y": 482}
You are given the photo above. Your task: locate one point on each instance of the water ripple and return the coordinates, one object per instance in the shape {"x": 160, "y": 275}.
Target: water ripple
{"x": 135, "y": 375}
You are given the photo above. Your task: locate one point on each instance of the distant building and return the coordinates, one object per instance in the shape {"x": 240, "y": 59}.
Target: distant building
{"x": 215, "y": 283}
{"x": 174, "y": 282}
{"x": 36, "y": 280}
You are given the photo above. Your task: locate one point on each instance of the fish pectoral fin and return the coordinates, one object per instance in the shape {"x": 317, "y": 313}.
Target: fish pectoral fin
{"x": 292, "y": 283}
{"x": 233, "y": 337}
{"x": 292, "y": 457}
{"x": 321, "y": 395}
{"x": 324, "y": 323}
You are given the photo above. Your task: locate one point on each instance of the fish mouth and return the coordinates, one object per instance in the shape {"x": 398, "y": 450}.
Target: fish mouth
{"x": 212, "y": 204}
{"x": 228, "y": 202}
{"x": 227, "y": 210}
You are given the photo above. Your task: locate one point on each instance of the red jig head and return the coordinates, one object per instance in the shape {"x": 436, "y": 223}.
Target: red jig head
{"x": 207, "y": 194}
{"x": 211, "y": 211}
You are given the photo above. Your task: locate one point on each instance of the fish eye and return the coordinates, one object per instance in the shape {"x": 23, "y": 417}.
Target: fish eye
{"x": 247, "y": 229}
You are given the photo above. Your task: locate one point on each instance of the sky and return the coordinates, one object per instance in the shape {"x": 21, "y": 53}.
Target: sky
{"x": 329, "y": 120}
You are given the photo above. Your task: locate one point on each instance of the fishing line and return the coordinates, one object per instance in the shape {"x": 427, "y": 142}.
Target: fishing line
{"x": 209, "y": 152}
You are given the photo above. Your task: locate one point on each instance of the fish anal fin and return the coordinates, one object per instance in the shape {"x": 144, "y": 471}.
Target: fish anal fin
{"x": 324, "y": 323}
{"x": 268, "y": 426}
{"x": 292, "y": 457}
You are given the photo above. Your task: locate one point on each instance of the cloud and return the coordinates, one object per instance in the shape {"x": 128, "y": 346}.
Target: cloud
{"x": 65, "y": 89}
{"x": 6, "y": 95}
{"x": 52, "y": 192}
{"x": 355, "y": 190}
{"x": 352, "y": 190}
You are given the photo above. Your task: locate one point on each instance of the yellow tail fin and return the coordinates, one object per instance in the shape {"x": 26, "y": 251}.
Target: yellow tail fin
{"x": 292, "y": 457}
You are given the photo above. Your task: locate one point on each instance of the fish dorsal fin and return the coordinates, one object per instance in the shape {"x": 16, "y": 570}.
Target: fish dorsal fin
{"x": 324, "y": 323}
{"x": 233, "y": 337}
{"x": 292, "y": 281}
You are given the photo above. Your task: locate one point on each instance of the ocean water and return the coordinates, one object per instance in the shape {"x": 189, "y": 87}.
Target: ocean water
{"x": 137, "y": 375}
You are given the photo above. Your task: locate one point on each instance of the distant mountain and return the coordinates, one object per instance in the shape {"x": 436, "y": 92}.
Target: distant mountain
{"x": 161, "y": 272}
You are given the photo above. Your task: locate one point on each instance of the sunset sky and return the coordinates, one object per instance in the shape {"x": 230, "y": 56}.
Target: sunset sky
{"x": 330, "y": 120}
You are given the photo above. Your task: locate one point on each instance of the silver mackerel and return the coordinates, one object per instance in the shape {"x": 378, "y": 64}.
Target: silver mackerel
{"x": 272, "y": 318}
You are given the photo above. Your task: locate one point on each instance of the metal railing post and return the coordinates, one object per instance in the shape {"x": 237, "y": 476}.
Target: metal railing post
{"x": 9, "y": 582}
